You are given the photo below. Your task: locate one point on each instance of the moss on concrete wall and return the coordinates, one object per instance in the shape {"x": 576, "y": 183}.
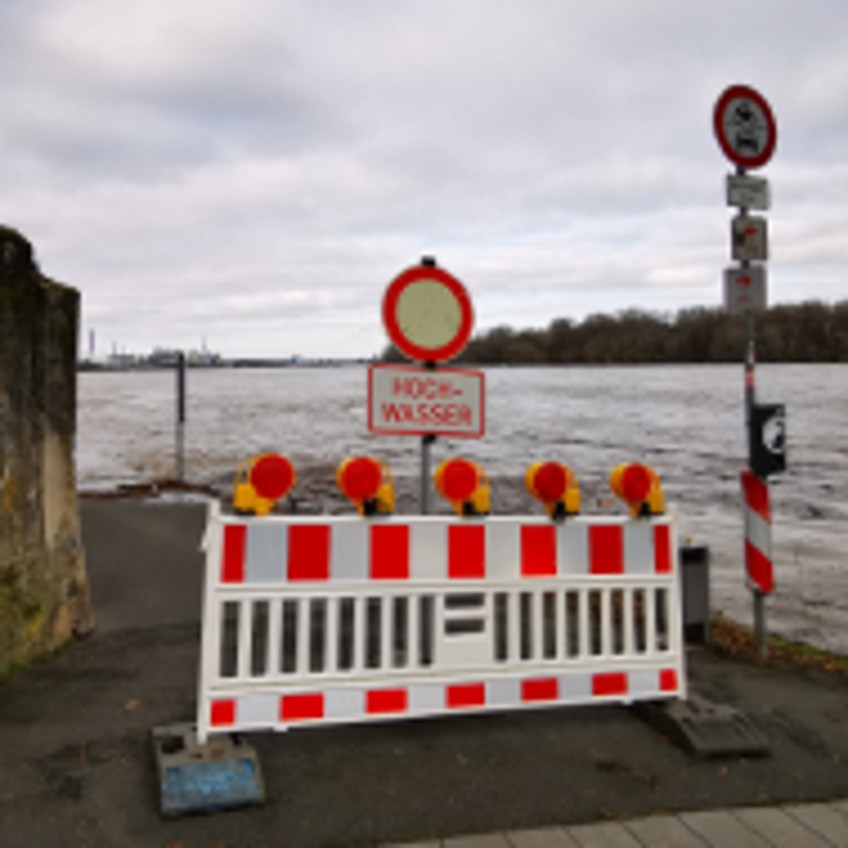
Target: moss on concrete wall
{"x": 44, "y": 598}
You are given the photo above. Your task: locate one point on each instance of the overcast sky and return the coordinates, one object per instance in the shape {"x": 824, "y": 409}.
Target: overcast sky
{"x": 255, "y": 172}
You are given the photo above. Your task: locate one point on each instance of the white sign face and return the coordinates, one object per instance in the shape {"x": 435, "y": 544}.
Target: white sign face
{"x": 744, "y": 126}
{"x": 407, "y": 401}
{"x": 428, "y": 314}
{"x": 749, "y": 238}
{"x": 748, "y": 192}
{"x": 745, "y": 289}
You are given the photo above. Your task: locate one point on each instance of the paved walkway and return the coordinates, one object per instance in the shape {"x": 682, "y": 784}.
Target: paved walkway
{"x": 789, "y": 826}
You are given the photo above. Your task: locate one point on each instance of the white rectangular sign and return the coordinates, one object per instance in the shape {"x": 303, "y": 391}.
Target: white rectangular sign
{"x": 749, "y": 238}
{"x": 744, "y": 289}
{"x": 748, "y": 192}
{"x": 404, "y": 400}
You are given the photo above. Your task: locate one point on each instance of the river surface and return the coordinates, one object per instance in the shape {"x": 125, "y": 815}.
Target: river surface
{"x": 687, "y": 422}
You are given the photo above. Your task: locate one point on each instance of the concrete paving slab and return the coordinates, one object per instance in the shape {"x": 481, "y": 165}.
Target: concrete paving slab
{"x": 665, "y": 831}
{"x": 603, "y": 835}
{"x": 721, "y": 829}
{"x": 546, "y": 837}
{"x": 482, "y": 840}
{"x": 779, "y": 828}
{"x": 822, "y": 819}
{"x": 434, "y": 844}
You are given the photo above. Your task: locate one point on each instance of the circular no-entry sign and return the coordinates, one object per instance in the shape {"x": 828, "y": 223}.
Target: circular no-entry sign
{"x": 745, "y": 126}
{"x": 427, "y": 314}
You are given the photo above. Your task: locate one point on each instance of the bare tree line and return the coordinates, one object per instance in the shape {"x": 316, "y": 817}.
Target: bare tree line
{"x": 805, "y": 332}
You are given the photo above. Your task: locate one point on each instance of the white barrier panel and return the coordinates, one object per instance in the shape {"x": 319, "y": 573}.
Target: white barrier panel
{"x": 317, "y": 620}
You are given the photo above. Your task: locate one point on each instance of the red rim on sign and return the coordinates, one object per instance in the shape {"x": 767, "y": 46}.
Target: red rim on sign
{"x": 427, "y": 314}
{"x": 744, "y": 126}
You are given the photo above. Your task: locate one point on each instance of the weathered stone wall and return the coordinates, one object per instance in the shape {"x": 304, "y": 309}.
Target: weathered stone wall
{"x": 44, "y": 599}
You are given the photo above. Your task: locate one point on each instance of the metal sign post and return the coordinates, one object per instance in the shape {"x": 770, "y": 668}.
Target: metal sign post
{"x": 747, "y": 134}
{"x": 428, "y": 316}
{"x": 181, "y": 416}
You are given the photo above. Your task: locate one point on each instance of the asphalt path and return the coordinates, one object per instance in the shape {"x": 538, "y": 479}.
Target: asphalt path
{"x": 76, "y": 765}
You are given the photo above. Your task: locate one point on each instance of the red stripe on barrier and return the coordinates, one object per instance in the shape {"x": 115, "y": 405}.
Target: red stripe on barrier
{"x": 301, "y": 707}
{"x": 668, "y": 680}
{"x": 466, "y": 551}
{"x": 382, "y": 701}
{"x": 662, "y": 549}
{"x": 222, "y": 713}
{"x": 612, "y": 683}
{"x": 309, "y": 552}
{"x": 389, "y": 552}
{"x": 756, "y": 494}
{"x": 759, "y": 568}
{"x": 538, "y": 551}
{"x": 543, "y": 689}
{"x": 232, "y": 560}
{"x": 606, "y": 549}
{"x": 465, "y": 695}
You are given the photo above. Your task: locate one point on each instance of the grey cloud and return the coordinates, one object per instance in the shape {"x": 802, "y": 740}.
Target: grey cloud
{"x": 224, "y": 168}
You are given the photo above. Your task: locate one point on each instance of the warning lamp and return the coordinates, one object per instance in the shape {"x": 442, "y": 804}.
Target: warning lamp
{"x": 639, "y": 487}
{"x": 556, "y": 486}
{"x": 368, "y": 483}
{"x": 261, "y": 481}
{"x": 465, "y": 484}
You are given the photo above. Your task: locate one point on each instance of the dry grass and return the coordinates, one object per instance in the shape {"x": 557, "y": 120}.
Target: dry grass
{"x": 731, "y": 639}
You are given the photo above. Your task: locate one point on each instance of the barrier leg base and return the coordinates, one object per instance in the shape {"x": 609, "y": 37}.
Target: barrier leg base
{"x": 705, "y": 729}
{"x": 223, "y": 774}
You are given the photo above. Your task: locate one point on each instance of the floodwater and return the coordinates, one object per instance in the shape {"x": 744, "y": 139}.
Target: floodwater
{"x": 687, "y": 422}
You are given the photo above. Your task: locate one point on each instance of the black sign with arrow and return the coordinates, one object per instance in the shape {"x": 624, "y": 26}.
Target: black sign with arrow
{"x": 767, "y": 448}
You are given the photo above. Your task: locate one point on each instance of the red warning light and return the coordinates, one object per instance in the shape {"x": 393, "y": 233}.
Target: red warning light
{"x": 272, "y": 476}
{"x": 635, "y": 483}
{"x": 360, "y": 478}
{"x": 459, "y": 480}
{"x": 550, "y": 481}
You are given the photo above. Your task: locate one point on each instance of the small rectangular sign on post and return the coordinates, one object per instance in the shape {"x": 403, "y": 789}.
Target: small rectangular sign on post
{"x": 749, "y": 238}
{"x": 744, "y": 289}
{"x": 748, "y": 192}
{"x": 767, "y": 439}
{"x": 404, "y": 400}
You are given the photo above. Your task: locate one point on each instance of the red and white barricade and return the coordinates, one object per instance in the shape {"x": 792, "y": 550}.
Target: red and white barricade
{"x": 318, "y": 620}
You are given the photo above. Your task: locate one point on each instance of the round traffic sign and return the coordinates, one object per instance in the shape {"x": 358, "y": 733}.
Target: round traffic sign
{"x": 745, "y": 126}
{"x": 427, "y": 314}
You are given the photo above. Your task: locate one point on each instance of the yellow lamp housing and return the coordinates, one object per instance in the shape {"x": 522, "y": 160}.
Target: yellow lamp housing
{"x": 260, "y": 481}
{"x": 465, "y": 485}
{"x": 367, "y": 483}
{"x": 556, "y": 486}
{"x": 639, "y": 487}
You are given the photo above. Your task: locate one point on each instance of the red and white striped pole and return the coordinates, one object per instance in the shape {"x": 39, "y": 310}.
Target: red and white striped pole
{"x": 758, "y": 562}
{"x": 755, "y": 490}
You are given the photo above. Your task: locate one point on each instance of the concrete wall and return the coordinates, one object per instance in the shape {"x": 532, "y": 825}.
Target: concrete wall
{"x": 44, "y": 599}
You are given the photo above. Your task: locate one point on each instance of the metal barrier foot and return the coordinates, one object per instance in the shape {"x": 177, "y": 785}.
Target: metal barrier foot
{"x": 223, "y": 774}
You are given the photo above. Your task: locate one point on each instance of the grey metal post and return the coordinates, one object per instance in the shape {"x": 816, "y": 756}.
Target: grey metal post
{"x": 750, "y": 361}
{"x": 181, "y": 416}
{"x": 426, "y": 444}
{"x": 428, "y": 439}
